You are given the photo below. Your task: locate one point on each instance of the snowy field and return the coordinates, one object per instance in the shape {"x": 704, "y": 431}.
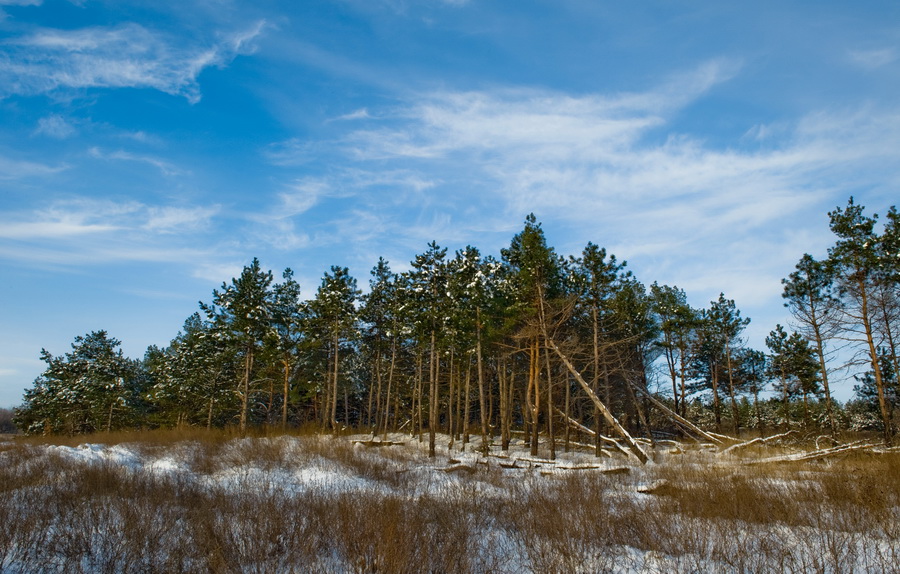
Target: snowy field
{"x": 210, "y": 503}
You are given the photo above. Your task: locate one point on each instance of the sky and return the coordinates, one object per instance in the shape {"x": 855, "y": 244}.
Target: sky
{"x": 150, "y": 150}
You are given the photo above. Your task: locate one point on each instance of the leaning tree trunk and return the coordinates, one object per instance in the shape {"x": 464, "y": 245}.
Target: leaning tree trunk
{"x": 876, "y": 367}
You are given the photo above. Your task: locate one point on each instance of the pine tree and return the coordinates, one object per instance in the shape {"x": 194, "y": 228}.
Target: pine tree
{"x": 857, "y": 262}
{"x": 677, "y": 325}
{"x": 595, "y": 280}
{"x": 288, "y": 317}
{"x": 810, "y": 298}
{"x": 92, "y": 388}
{"x": 725, "y": 325}
{"x": 242, "y": 315}
{"x": 333, "y": 321}
{"x": 381, "y": 334}
{"x": 193, "y": 377}
{"x": 430, "y": 283}
{"x": 536, "y": 273}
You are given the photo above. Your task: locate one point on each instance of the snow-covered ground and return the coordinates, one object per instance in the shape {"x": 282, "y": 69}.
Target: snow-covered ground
{"x": 347, "y": 504}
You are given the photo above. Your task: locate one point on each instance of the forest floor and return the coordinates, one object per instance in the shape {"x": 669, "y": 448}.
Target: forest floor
{"x": 192, "y": 501}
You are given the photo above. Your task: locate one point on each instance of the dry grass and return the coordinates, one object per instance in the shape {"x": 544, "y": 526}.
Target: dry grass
{"x": 235, "y": 504}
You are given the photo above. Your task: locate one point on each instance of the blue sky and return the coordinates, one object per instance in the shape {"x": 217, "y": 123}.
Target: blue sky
{"x": 149, "y": 150}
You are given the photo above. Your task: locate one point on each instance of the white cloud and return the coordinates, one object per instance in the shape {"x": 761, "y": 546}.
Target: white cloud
{"x": 86, "y": 231}
{"x": 17, "y": 169}
{"x": 120, "y": 155}
{"x": 360, "y": 114}
{"x": 56, "y": 127}
{"x": 217, "y": 272}
{"x": 301, "y": 196}
{"x": 68, "y": 219}
{"x": 179, "y": 219}
{"x": 127, "y": 55}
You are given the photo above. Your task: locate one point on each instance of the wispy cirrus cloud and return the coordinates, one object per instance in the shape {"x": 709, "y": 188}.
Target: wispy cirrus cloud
{"x": 167, "y": 168}
{"x": 171, "y": 220}
{"x": 11, "y": 168}
{"x": 614, "y": 169}
{"x": 122, "y": 56}
{"x": 80, "y": 231}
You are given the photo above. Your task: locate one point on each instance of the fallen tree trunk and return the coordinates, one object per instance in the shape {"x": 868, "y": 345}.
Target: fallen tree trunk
{"x": 634, "y": 447}
{"x": 815, "y": 455}
{"x": 758, "y": 440}
{"x": 690, "y": 427}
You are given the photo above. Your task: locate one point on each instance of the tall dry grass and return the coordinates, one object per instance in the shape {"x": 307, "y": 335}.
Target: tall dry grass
{"x": 230, "y": 506}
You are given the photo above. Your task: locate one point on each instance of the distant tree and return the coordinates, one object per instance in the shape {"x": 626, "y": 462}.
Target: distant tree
{"x": 92, "y": 388}
{"x": 378, "y": 315}
{"x": 866, "y": 394}
{"x": 7, "y": 424}
{"x": 750, "y": 368}
{"x": 718, "y": 336}
{"x": 727, "y": 324}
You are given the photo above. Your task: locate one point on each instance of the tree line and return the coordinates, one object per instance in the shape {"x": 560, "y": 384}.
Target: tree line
{"x": 529, "y": 344}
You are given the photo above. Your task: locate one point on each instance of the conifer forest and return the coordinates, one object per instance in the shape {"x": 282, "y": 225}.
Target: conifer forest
{"x": 528, "y": 342}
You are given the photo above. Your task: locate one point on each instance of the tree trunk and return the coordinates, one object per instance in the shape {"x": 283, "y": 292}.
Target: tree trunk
{"x": 245, "y": 389}
{"x": 714, "y": 379}
{"x": 820, "y": 351}
{"x": 286, "y": 394}
{"x": 734, "y": 408}
{"x": 485, "y": 444}
{"x": 385, "y": 416}
{"x": 418, "y": 426}
{"x": 432, "y": 398}
{"x": 377, "y": 391}
{"x": 568, "y": 414}
{"x": 468, "y": 402}
{"x": 550, "y": 434}
{"x": 334, "y": 394}
{"x": 451, "y": 427}
{"x": 504, "y": 382}
{"x": 536, "y": 401}
{"x": 876, "y": 366}
{"x": 598, "y": 451}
